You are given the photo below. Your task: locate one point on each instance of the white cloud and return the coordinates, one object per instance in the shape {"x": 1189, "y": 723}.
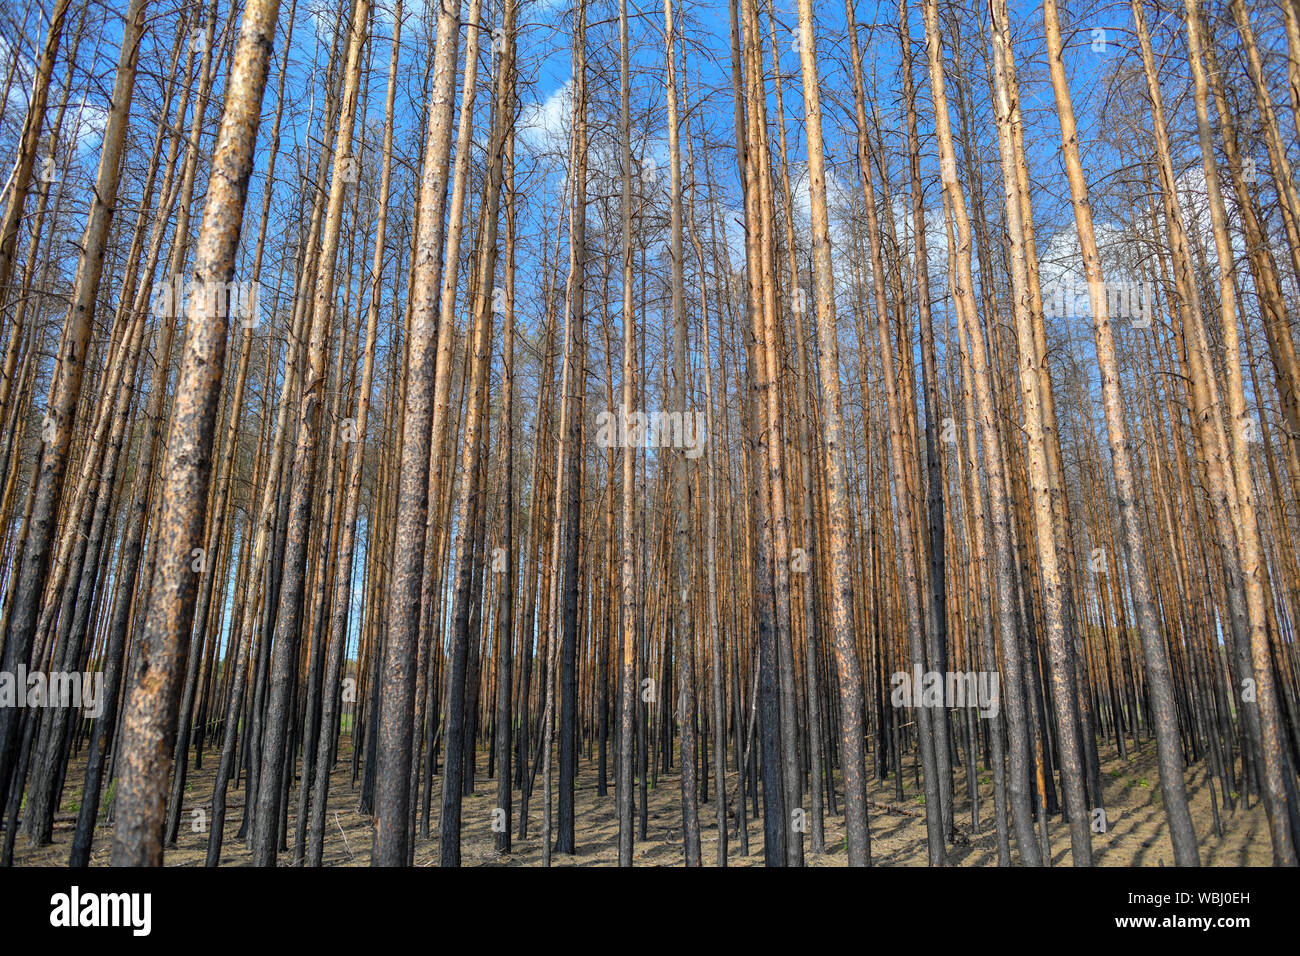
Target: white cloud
{"x": 87, "y": 128}
{"x": 544, "y": 125}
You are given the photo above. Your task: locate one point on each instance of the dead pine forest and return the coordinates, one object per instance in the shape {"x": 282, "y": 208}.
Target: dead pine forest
{"x": 712, "y": 432}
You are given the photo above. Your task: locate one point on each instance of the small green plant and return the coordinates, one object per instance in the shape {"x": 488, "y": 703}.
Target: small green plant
{"x": 108, "y": 800}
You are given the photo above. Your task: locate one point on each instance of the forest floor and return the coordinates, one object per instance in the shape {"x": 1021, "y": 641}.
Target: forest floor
{"x": 1137, "y": 832}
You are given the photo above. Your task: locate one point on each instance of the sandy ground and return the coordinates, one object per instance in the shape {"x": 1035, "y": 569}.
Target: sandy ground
{"x": 1137, "y": 834}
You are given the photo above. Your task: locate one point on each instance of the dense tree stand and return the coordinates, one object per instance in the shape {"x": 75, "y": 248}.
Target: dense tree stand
{"x": 728, "y": 433}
